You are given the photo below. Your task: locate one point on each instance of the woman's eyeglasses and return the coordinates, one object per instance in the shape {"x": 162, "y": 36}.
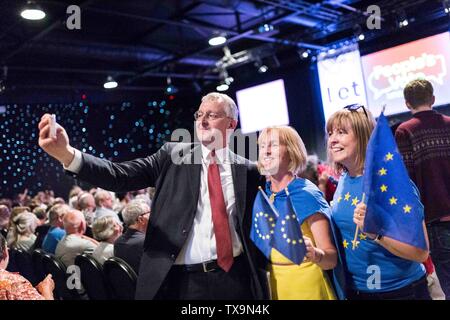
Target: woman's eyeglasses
{"x": 355, "y": 107}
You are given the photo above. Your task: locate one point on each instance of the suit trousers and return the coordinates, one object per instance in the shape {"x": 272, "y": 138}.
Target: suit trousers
{"x": 183, "y": 284}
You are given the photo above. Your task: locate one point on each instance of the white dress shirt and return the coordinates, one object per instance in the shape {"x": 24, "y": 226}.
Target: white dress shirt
{"x": 200, "y": 245}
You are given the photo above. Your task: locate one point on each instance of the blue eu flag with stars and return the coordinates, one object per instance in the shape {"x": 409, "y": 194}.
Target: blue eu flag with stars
{"x": 278, "y": 229}
{"x": 393, "y": 205}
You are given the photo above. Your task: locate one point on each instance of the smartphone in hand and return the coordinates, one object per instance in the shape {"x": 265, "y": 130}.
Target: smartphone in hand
{"x": 52, "y": 133}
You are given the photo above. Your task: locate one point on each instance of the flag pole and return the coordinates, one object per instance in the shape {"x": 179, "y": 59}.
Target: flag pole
{"x": 268, "y": 201}
{"x": 357, "y": 227}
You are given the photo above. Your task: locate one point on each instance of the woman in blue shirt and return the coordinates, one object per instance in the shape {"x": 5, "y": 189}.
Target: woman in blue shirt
{"x": 377, "y": 267}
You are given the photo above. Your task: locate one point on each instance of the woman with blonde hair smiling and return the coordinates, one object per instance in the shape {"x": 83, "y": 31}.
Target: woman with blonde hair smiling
{"x": 282, "y": 155}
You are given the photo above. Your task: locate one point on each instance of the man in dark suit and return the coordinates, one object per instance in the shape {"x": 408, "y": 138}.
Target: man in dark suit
{"x": 197, "y": 244}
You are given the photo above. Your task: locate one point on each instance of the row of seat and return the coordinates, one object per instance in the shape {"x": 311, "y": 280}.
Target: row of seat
{"x": 114, "y": 280}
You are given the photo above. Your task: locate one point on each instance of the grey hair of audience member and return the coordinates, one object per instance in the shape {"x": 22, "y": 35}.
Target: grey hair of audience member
{"x": 145, "y": 198}
{"x": 24, "y": 224}
{"x": 133, "y": 210}
{"x": 86, "y": 200}
{"x": 103, "y": 228}
{"x": 101, "y": 196}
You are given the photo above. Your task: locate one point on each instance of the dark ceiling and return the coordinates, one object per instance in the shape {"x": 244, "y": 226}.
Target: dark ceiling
{"x": 141, "y": 42}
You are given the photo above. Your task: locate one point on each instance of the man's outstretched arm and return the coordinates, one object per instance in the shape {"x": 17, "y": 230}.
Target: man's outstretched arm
{"x": 125, "y": 176}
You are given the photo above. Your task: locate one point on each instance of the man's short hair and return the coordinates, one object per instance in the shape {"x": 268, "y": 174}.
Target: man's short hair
{"x": 133, "y": 210}
{"x": 100, "y": 196}
{"x": 418, "y": 92}
{"x": 83, "y": 200}
{"x": 226, "y": 101}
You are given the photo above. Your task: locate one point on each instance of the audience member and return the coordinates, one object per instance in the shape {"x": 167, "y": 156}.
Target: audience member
{"x": 74, "y": 242}
{"x": 106, "y": 230}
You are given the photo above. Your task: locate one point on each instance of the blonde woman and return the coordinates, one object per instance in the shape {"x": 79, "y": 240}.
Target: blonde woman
{"x": 22, "y": 233}
{"x": 106, "y": 230}
{"x": 282, "y": 155}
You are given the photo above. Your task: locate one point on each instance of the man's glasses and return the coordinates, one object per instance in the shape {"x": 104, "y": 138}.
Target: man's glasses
{"x": 355, "y": 107}
{"x": 144, "y": 213}
{"x": 209, "y": 115}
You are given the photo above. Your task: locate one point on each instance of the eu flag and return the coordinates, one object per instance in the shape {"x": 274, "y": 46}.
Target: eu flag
{"x": 278, "y": 229}
{"x": 288, "y": 238}
{"x": 264, "y": 220}
{"x": 393, "y": 205}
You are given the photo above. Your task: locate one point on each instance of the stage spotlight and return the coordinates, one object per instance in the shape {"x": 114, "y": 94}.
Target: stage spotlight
{"x": 361, "y": 37}
{"x": 262, "y": 68}
{"x": 222, "y": 87}
{"x": 110, "y": 83}
{"x": 305, "y": 54}
{"x": 217, "y": 40}
{"x": 32, "y": 12}
{"x": 266, "y": 27}
{"x": 402, "y": 19}
{"x": 446, "y": 5}
{"x": 229, "y": 80}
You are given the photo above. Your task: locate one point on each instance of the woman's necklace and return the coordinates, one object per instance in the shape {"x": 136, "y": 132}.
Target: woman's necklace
{"x": 272, "y": 196}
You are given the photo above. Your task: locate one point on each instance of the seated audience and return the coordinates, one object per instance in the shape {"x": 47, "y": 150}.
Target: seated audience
{"x": 106, "y": 230}
{"x": 86, "y": 204}
{"x": 15, "y": 287}
{"x": 104, "y": 203}
{"x": 56, "y": 232}
{"x": 22, "y": 232}
{"x": 43, "y": 226}
{"x": 130, "y": 245}
{"x": 74, "y": 242}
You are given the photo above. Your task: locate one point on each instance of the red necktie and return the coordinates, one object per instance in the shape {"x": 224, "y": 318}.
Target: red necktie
{"x": 224, "y": 246}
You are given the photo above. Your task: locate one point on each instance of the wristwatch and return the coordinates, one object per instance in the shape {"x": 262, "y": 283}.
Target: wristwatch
{"x": 378, "y": 238}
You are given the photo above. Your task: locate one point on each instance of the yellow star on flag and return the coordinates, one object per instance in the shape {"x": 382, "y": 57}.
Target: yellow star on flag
{"x": 347, "y": 196}
{"x": 362, "y": 236}
{"x": 345, "y": 243}
{"x": 389, "y": 156}
{"x": 407, "y": 209}
{"x": 382, "y": 172}
{"x": 383, "y": 188}
{"x": 355, "y": 201}
{"x": 355, "y": 244}
{"x": 393, "y": 200}
{"x": 339, "y": 199}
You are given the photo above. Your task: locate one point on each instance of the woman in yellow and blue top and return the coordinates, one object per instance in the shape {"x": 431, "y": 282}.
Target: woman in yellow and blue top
{"x": 377, "y": 268}
{"x": 282, "y": 155}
